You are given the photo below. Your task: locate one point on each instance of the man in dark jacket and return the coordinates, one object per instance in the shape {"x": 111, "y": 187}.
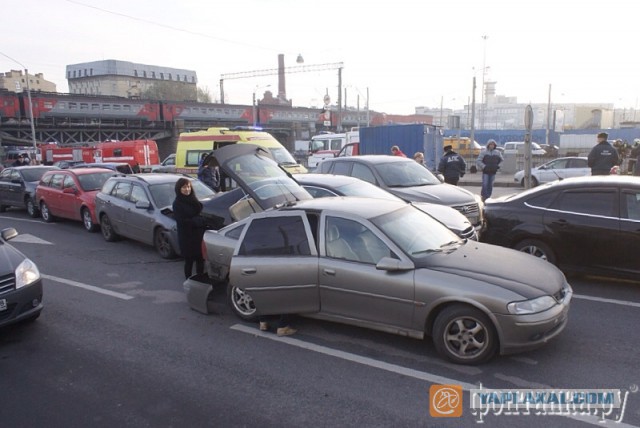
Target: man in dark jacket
{"x": 488, "y": 162}
{"x": 452, "y": 166}
{"x": 603, "y": 156}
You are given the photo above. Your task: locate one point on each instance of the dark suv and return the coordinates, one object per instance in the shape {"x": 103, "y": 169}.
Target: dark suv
{"x": 407, "y": 180}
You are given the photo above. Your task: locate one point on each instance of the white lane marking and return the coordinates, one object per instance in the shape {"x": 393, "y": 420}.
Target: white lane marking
{"x": 88, "y": 287}
{"x": 30, "y": 239}
{"x": 354, "y": 358}
{"x": 603, "y": 300}
{"x": 393, "y": 368}
{"x": 26, "y": 220}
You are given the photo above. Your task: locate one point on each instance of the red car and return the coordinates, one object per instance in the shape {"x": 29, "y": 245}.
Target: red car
{"x": 71, "y": 193}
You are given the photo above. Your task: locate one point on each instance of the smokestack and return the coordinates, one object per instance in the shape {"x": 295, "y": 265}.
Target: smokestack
{"x": 282, "y": 93}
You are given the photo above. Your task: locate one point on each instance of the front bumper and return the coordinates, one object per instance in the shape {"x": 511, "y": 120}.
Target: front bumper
{"x": 525, "y": 332}
{"x": 22, "y": 304}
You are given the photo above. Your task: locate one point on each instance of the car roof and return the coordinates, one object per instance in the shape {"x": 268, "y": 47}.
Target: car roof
{"x": 79, "y": 171}
{"x": 363, "y": 207}
{"x": 371, "y": 159}
{"x": 323, "y": 180}
{"x": 154, "y": 178}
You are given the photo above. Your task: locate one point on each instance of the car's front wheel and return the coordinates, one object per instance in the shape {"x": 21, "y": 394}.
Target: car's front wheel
{"x": 241, "y": 303}
{"x": 465, "y": 335}
{"x": 162, "y": 244}
{"x": 32, "y": 209}
{"x": 87, "y": 221}
{"x": 536, "y": 248}
{"x": 45, "y": 213}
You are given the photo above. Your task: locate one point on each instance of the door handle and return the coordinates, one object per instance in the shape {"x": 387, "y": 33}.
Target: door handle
{"x": 561, "y": 222}
{"x": 249, "y": 271}
{"x": 331, "y": 272}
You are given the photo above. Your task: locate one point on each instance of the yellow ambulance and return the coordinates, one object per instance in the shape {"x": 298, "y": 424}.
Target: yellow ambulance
{"x": 191, "y": 146}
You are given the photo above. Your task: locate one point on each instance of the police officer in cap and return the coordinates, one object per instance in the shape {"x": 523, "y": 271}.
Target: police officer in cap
{"x": 451, "y": 166}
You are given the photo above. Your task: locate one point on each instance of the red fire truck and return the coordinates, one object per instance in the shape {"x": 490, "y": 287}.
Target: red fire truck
{"x": 134, "y": 152}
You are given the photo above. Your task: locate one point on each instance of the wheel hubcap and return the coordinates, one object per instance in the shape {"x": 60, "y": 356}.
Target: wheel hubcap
{"x": 466, "y": 337}
{"x": 534, "y": 251}
{"x": 243, "y": 302}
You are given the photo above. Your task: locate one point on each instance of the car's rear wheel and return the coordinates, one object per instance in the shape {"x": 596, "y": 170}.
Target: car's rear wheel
{"x": 87, "y": 221}
{"x": 241, "y": 303}
{"x": 108, "y": 233}
{"x": 45, "y": 213}
{"x": 534, "y": 182}
{"x": 465, "y": 335}
{"x": 162, "y": 244}
{"x": 536, "y": 248}
{"x": 32, "y": 209}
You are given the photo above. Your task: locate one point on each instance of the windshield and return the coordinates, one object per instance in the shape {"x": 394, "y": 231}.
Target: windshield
{"x": 163, "y": 194}
{"x": 95, "y": 181}
{"x": 33, "y": 174}
{"x": 367, "y": 190}
{"x": 405, "y": 174}
{"x": 282, "y": 156}
{"x": 401, "y": 227}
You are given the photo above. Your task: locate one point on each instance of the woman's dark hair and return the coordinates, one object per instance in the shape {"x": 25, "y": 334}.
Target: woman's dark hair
{"x": 181, "y": 182}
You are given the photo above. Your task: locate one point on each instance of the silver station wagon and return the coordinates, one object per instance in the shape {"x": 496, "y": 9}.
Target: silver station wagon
{"x": 384, "y": 265}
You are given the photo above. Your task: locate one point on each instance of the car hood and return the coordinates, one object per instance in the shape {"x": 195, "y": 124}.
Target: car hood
{"x": 435, "y": 193}
{"x": 254, "y": 170}
{"x": 512, "y": 270}
{"x": 10, "y": 258}
{"x": 445, "y": 215}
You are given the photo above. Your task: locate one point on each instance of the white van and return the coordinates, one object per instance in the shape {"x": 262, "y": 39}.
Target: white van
{"x": 517, "y": 147}
{"x": 325, "y": 146}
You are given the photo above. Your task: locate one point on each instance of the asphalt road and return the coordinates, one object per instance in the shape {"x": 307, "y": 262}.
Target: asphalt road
{"x": 117, "y": 345}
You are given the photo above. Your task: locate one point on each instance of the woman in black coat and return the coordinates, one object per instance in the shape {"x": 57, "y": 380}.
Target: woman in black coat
{"x": 186, "y": 211}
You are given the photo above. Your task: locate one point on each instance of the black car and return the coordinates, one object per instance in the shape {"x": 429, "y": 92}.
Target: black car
{"x": 327, "y": 185}
{"x": 407, "y": 180}
{"x": 583, "y": 224}
{"x": 20, "y": 283}
{"x": 18, "y": 187}
{"x": 121, "y": 167}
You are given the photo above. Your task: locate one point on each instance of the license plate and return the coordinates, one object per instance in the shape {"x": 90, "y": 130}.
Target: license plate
{"x": 3, "y": 305}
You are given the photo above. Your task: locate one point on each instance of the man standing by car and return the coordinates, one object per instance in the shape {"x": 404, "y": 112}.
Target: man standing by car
{"x": 488, "y": 162}
{"x": 603, "y": 156}
{"x": 452, "y": 166}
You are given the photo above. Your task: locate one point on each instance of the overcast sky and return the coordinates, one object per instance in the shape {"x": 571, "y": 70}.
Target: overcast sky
{"x": 406, "y": 53}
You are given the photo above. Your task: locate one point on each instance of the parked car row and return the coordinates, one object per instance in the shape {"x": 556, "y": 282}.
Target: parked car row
{"x": 385, "y": 265}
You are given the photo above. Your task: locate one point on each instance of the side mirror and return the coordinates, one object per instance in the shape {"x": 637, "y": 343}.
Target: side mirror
{"x": 143, "y": 205}
{"x": 391, "y": 264}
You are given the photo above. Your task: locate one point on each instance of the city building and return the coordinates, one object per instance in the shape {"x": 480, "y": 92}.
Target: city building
{"x": 505, "y": 112}
{"x": 16, "y": 81}
{"x": 125, "y": 79}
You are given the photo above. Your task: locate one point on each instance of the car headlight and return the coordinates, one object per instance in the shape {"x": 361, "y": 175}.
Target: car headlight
{"x": 532, "y": 306}
{"x": 26, "y": 273}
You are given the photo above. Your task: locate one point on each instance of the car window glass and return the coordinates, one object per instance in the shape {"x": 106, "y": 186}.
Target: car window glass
{"x": 68, "y": 182}
{"x": 632, "y": 202}
{"x": 108, "y": 187}
{"x": 276, "y": 236}
{"x": 318, "y": 192}
{"x": 122, "y": 190}
{"x": 138, "y": 195}
{"x": 163, "y": 194}
{"x": 591, "y": 202}
{"x": 90, "y": 182}
{"x": 4, "y": 175}
{"x": 56, "y": 181}
{"x": 235, "y": 232}
{"x": 558, "y": 164}
{"x": 15, "y": 175}
{"x": 363, "y": 173}
{"x": 542, "y": 201}
{"x": 578, "y": 163}
{"x": 46, "y": 180}
{"x": 350, "y": 240}
{"x": 341, "y": 168}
